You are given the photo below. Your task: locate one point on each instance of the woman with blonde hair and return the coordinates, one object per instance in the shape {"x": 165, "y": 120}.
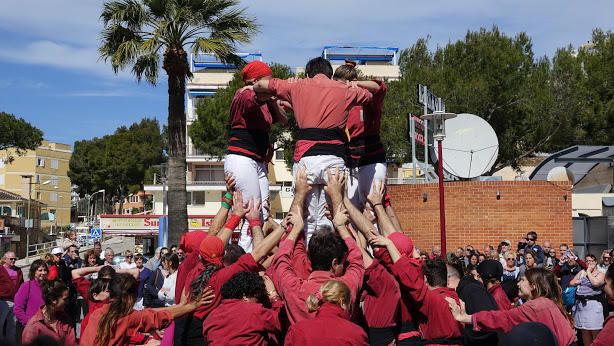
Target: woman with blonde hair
{"x": 331, "y": 325}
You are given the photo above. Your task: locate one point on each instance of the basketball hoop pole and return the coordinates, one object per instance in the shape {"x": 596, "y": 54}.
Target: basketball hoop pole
{"x": 442, "y": 208}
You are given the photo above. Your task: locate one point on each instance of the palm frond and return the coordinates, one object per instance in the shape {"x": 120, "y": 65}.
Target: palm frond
{"x": 147, "y": 66}
{"x": 158, "y": 8}
{"x": 130, "y": 13}
{"x": 120, "y": 45}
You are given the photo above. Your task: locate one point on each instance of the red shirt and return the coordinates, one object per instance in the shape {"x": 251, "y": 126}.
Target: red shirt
{"x": 381, "y": 297}
{"x": 145, "y": 321}
{"x": 7, "y": 286}
{"x": 318, "y": 102}
{"x": 330, "y": 326}
{"x": 37, "y": 326}
{"x": 83, "y": 286}
{"x": 436, "y": 321}
{"x": 237, "y": 322}
{"x": 294, "y": 290}
{"x": 183, "y": 271}
{"x": 366, "y": 120}
{"x": 247, "y": 113}
{"x": 606, "y": 335}
{"x": 500, "y": 297}
{"x": 219, "y": 278}
{"x": 408, "y": 306}
{"x": 540, "y": 309}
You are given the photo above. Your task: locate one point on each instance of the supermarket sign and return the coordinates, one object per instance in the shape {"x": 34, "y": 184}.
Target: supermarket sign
{"x": 142, "y": 224}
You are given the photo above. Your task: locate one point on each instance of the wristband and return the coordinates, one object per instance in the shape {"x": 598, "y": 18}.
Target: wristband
{"x": 387, "y": 202}
{"x": 227, "y": 200}
{"x": 376, "y": 204}
{"x": 232, "y": 222}
{"x": 254, "y": 223}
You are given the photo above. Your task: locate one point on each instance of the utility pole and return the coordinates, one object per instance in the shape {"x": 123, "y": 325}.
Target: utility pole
{"x": 28, "y": 221}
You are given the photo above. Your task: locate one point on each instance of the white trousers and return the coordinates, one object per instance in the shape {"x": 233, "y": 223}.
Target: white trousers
{"x": 316, "y": 201}
{"x": 251, "y": 179}
{"x": 360, "y": 182}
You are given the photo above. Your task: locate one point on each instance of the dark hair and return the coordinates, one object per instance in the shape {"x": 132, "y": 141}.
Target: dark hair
{"x": 123, "y": 290}
{"x": 436, "y": 273}
{"x": 106, "y": 272}
{"x": 609, "y": 274}
{"x": 97, "y": 286}
{"x": 86, "y": 257}
{"x": 318, "y": 65}
{"x": 139, "y": 256}
{"x": 591, "y": 256}
{"x": 532, "y": 234}
{"x": 202, "y": 280}
{"x": 345, "y": 72}
{"x": 245, "y": 285}
{"x": 173, "y": 246}
{"x": 52, "y": 290}
{"x": 532, "y": 253}
{"x": 469, "y": 268}
{"x": 232, "y": 252}
{"x": 34, "y": 267}
{"x": 172, "y": 259}
{"x": 324, "y": 247}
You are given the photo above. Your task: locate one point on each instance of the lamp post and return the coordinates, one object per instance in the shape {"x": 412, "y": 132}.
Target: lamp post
{"x": 92, "y": 195}
{"x": 439, "y": 133}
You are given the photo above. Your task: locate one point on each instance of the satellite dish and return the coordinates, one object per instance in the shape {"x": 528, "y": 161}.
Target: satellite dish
{"x": 471, "y": 146}
{"x": 560, "y": 174}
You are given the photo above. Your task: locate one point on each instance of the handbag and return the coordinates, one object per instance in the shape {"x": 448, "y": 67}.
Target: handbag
{"x": 569, "y": 296}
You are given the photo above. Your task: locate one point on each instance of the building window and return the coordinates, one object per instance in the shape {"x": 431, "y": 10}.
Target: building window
{"x": 37, "y": 179}
{"x": 198, "y": 198}
{"x": 21, "y": 211}
{"x": 53, "y": 196}
{"x": 209, "y": 173}
{"x": 4, "y": 210}
{"x": 54, "y": 164}
{"x": 54, "y": 181}
{"x": 279, "y": 155}
{"x": 52, "y": 214}
{"x": 40, "y": 162}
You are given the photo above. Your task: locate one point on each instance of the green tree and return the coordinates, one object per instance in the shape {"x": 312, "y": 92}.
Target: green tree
{"x": 211, "y": 130}
{"x": 117, "y": 163}
{"x": 137, "y": 33}
{"x": 17, "y": 135}
{"x": 488, "y": 74}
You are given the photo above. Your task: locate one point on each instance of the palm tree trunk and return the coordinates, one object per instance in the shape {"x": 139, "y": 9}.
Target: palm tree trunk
{"x": 177, "y": 196}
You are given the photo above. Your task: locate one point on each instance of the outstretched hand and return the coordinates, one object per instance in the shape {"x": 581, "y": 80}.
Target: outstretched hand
{"x": 377, "y": 192}
{"x": 458, "y": 311}
{"x": 379, "y": 240}
{"x": 301, "y": 185}
{"x": 238, "y": 208}
{"x": 230, "y": 182}
{"x": 341, "y": 216}
{"x": 336, "y": 182}
{"x": 254, "y": 211}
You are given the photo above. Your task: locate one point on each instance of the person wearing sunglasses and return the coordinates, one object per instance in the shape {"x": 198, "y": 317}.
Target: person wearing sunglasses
{"x": 532, "y": 245}
{"x": 127, "y": 263}
{"x": 605, "y": 262}
{"x": 15, "y": 273}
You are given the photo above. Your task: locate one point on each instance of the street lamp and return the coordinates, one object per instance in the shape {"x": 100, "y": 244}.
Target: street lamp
{"x": 92, "y": 195}
{"x": 439, "y": 133}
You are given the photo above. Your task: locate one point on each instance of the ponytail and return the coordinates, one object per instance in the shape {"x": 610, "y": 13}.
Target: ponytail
{"x": 332, "y": 291}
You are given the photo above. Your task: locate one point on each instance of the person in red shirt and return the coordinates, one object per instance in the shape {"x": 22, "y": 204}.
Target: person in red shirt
{"x": 606, "y": 335}
{"x": 115, "y": 323}
{"x": 321, "y": 107}
{"x": 490, "y": 272}
{"x": 542, "y": 293}
{"x": 244, "y": 295}
{"x": 332, "y": 254}
{"x": 210, "y": 272}
{"x": 249, "y": 149}
{"x": 366, "y": 155}
{"x": 50, "y": 320}
{"x": 435, "y": 323}
{"x": 331, "y": 325}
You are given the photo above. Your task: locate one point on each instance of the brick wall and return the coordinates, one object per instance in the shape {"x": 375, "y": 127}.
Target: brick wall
{"x": 475, "y": 216}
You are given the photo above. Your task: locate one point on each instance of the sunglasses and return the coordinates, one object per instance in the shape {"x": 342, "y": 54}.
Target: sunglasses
{"x": 510, "y": 259}
{"x": 13, "y": 259}
{"x": 128, "y": 256}
{"x": 57, "y": 254}
{"x": 530, "y": 239}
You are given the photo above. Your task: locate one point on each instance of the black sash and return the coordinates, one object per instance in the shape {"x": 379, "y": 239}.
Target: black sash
{"x": 255, "y": 141}
{"x": 366, "y": 150}
{"x": 317, "y": 134}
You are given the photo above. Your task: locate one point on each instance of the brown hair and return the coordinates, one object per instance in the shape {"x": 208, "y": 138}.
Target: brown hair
{"x": 34, "y": 267}
{"x": 547, "y": 286}
{"x": 332, "y": 291}
{"x": 346, "y": 71}
{"x": 87, "y": 255}
{"x": 123, "y": 291}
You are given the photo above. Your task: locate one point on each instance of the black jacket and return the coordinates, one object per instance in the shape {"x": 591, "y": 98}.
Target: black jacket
{"x": 476, "y": 298}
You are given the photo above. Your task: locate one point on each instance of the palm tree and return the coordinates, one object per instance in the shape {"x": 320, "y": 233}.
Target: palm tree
{"x": 138, "y": 33}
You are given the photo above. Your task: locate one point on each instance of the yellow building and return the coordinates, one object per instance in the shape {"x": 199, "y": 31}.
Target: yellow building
{"x": 47, "y": 169}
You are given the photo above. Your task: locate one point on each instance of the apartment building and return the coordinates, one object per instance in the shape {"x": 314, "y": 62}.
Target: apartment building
{"x": 42, "y": 173}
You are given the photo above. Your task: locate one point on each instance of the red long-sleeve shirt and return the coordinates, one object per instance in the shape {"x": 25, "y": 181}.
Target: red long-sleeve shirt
{"x": 7, "y": 287}
{"x": 37, "y": 326}
{"x": 436, "y": 321}
{"x": 183, "y": 271}
{"x": 330, "y": 326}
{"x": 606, "y": 335}
{"x": 145, "y": 321}
{"x": 294, "y": 290}
{"x": 408, "y": 306}
{"x": 540, "y": 309}
{"x": 219, "y": 278}
{"x": 381, "y": 297}
{"x": 237, "y": 322}
{"x": 500, "y": 297}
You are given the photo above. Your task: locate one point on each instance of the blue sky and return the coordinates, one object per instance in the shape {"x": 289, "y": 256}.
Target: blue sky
{"x": 51, "y": 76}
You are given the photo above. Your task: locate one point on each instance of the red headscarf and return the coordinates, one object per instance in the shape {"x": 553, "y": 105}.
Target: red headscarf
{"x": 403, "y": 243}
{"x": 212, "y": 250}
{"x": 190, "y": 241}
{"x": 256, "y": 69}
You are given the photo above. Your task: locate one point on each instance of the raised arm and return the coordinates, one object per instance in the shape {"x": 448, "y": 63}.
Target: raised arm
{"x": 253, "y": 217}
{"x": 261, "y": 86}
{"x": 277, "y": 111}
{"x": 238, "y": 212}
{"x": 369, "y": 85}
{"x": 265, "y": 246}
{"x": 376, "y": 197}
{"x": 227, "y": 202}
{"x": 80, "y": 272}
{"x": 364, "y": 226}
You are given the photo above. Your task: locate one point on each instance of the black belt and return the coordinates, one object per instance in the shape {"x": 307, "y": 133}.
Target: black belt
{"x": 443, "y": 341}
{"x": 366, "y": 150}
{"x": 597, "y": 297}
{"x": 254, "y": 141}
{"x": 318, "y": 134}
